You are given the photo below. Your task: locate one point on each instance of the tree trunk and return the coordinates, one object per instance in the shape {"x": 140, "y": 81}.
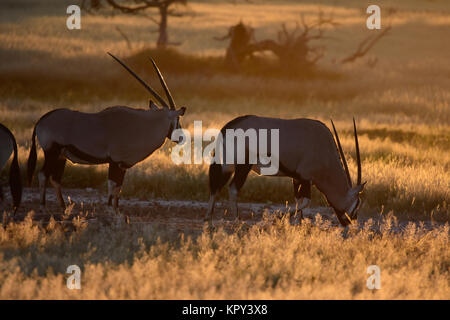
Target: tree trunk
{"x": 163, "y": 38}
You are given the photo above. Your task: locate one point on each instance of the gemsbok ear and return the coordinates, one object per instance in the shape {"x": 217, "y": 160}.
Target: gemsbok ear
{"x": 153, "y": 106}
{"x": 181, "y": 111}
{"x": 359, "y": 188}
{"x": 362, "y": 186}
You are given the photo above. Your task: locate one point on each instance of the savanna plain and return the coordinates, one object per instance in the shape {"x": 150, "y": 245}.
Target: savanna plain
{"x": 400, "y": 102}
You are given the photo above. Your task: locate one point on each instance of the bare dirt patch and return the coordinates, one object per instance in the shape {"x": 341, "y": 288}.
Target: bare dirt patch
{"x": 90, "y": 206}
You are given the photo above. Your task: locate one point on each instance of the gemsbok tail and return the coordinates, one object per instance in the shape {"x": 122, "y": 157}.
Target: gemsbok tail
{"x": 32, "y": 158}
{"x": 15, "y": 180}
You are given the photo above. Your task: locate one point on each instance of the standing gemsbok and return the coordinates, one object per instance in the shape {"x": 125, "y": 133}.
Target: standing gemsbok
{"x": 8, "y": 145}
{"x": 119, "y": 136}
{"x": 307, "y": 153}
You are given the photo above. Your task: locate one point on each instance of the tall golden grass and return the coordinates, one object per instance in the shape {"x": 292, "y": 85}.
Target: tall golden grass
{"x": 271, "y": 260}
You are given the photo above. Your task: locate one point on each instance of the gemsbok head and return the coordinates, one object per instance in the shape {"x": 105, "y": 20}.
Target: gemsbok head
{"x": 119, "y": 136}
{"x": 307, "y": 153}
{"x": 8, "y": 146}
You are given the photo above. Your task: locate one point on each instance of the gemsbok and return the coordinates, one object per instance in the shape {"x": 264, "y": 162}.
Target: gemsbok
{"x": 119, "y": 136}
{"x": 8, "y": 146}
{"x": 307, "y": 153}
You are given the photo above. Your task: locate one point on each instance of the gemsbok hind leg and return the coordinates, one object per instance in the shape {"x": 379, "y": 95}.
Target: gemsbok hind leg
{"x": 116, "y": 174}
{"x": 302, "y": 194}
{"x": 50, "y": 163}
{"x": 42, "y": 189}
{"x": 55, "y": 180}
{"x": 240, "y": 175}
{"x": 217, "y": 180}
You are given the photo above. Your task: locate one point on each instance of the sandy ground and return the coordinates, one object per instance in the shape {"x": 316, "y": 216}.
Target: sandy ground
{"x": 91, "y": 203}
{"x": 176, "y": 215}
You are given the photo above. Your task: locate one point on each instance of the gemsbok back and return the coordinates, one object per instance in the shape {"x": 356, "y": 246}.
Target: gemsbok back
{"x": 119, "y": 136}
{"x": 8, "y": 146}
{"x": 307, "y": 153}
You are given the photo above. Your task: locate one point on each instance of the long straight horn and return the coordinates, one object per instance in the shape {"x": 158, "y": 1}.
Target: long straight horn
{"x": 164, "y": 85}
{"x": 344, "y": 162}
{"x": 149, "y": 89}
{"x": 358, "y": 157}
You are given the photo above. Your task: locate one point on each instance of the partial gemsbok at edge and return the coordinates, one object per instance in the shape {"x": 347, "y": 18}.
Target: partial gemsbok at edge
{"x": 307, "y": 153}
{"x": 8, "y": 146}
{"x": 119, "y": 136}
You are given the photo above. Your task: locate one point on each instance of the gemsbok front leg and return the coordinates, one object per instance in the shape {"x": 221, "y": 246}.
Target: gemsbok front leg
{"x": 302, "y": 194}
{"x": 116, "y": 174}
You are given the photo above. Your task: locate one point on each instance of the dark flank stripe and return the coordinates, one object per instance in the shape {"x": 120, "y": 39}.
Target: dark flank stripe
{"x": 84, "y": 156}
{"x": 91, "y": 159}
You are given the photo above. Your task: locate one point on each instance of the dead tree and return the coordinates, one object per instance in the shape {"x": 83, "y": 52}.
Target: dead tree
{"x": 166, "y": 8}
{"x": 240, "y": 37}
{"x": 293, "y": 47}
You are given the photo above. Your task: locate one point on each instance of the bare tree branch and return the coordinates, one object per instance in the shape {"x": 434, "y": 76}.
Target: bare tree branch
{"x": 135, "y": 7}
{"x": 222, "y": 38}
{"x": 366, "y": 45}
{"x": 125, "y": 37}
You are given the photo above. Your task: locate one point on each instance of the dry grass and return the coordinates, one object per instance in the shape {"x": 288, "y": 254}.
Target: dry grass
{"x": 272, "y": 260}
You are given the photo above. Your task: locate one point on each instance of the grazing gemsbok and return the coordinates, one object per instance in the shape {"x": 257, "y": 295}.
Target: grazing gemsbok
{"x": 119, "y": 136}
{"x": 307, "y": 153}
{"x": 8, "y": 145}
